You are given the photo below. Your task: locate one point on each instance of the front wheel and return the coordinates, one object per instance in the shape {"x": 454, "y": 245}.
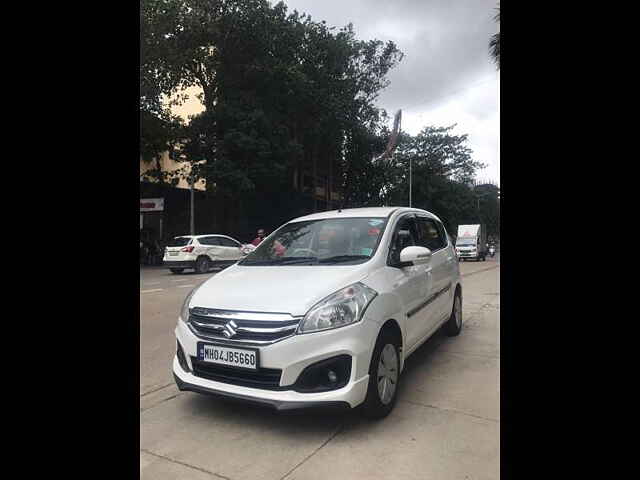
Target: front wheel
{"x": 384, "y": 374}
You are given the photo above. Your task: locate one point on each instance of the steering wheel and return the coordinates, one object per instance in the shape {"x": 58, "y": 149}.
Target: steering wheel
{"x": 297, "y": 251}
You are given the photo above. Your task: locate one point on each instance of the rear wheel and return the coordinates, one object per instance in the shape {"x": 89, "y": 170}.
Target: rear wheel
{"x": 202, "y": 265}
{"x": 454, "y": 324}
{"x": 384, "y": 374}
{"x": 177, "y": 270}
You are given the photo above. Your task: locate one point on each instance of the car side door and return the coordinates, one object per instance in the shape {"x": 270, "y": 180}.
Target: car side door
{"x": 211, "y": 247}
{"x": 434, "y": 238}
{"x": 412, "y": 284}
{"x": 232, "y": 249}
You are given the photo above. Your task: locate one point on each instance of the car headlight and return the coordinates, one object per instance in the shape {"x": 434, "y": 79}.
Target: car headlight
{"x": 184, "y": 311}
{"x": 342, "y": 308}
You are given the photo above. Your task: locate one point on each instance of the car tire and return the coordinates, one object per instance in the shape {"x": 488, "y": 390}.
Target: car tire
{"x": 379, "y": 404}
{"x": 176, "y": 270}
{"x": 202, "y": 265}
{"x": 453, "y": 326}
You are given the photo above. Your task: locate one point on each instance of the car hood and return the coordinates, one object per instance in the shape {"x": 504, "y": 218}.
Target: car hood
{"x": 276, "y": 289}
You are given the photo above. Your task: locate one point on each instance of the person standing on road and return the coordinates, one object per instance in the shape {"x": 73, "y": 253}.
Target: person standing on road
{"x": 259, "y": 238}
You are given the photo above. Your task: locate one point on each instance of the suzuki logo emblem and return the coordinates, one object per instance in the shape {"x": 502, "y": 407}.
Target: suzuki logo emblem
{"x": 229, "y": 330}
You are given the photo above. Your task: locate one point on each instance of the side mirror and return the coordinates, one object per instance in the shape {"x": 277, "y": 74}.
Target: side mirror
{"x": 414, "y": 256}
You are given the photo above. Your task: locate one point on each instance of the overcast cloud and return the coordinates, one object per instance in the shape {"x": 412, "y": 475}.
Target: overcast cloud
{"x": 446, "y": 75}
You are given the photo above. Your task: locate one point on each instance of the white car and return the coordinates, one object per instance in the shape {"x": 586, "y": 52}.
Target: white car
{"x": 201, "y": 252}
{"x": 323, "y": 313}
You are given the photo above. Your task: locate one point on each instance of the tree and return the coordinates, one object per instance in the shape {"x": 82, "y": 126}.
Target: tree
{"x": 279, "y": 90}
{"x": 443, "y": 172}
{"x": 488, "y": 207}
{"x": 494, "y": 43}
{"x": 160, "y": 130}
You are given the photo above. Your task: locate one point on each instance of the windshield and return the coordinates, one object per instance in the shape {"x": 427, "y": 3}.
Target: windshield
{"x": 179, "y": 242}
{"x": 465, "y": 242}
{"x": 327, "y": 241}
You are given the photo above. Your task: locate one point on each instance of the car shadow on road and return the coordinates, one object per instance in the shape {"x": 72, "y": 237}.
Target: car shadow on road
{"x": 258, "y": 419}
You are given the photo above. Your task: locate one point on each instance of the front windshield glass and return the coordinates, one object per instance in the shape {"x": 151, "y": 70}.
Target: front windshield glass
{"x": 327, "y": 241}
{"x": 464, "y": 242}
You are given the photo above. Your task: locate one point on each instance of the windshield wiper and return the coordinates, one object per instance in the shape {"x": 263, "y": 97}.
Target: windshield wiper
{"x": 342, "y": 258}
{"x": 292, "y": 260}
{"x": 281, "y": 261}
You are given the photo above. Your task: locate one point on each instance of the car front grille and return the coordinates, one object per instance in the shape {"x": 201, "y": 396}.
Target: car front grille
{"x": 235, "y": 327}
{"x": 265, "y": 378}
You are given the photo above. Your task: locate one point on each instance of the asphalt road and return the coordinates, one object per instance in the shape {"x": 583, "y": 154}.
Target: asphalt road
{"x": 446, "y": 424}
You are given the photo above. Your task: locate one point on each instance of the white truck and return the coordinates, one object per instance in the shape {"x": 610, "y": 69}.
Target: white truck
{"x": 471, "y": 242}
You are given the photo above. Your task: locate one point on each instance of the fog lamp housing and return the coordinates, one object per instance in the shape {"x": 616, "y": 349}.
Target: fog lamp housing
{"x": 329, "y": 374}
{"x": 182, "y": 360}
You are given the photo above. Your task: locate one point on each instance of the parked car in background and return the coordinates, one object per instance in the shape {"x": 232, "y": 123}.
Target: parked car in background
{"x": 323, "y": 313}
{"x": 202, "y": 252}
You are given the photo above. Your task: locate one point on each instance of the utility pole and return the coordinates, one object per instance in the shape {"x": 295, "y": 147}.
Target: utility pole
{"x": 410, "y": 182}
{"x": 193, "y": 223}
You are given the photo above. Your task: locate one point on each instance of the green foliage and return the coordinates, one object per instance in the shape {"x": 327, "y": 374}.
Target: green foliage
{"x": 494, "y": 43}
{"x": 282, "y": 92}
{"x": 442, "y": 177}
{"x": 279, "y": 90}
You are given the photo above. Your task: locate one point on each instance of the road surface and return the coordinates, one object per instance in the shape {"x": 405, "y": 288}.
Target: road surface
{"x": 445, "y": 425}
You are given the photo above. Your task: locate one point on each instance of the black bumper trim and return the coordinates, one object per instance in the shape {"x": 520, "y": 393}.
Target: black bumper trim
{"x": 278, "y": 405}
{"x": 180, "y": 264}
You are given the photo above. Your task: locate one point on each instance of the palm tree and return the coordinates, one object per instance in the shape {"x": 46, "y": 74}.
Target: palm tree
{"x": 494, "y": 44}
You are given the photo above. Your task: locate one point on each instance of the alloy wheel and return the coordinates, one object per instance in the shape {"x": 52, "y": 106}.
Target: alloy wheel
{"x": 457, "y": 311}
{"x": 387, "y": 373}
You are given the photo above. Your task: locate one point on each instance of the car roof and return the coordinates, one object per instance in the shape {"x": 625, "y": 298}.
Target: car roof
{"x": 362, "y": 212}
{"x": 205, "y": 235}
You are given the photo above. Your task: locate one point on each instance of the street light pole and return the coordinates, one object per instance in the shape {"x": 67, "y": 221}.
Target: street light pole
{"x": 193, "y": 223}
{"x": 410, "y": 182}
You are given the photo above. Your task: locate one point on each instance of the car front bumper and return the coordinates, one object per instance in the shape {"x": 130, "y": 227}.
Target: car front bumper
{"x": 276, "y": 404}
{"x": 291, "y": 356}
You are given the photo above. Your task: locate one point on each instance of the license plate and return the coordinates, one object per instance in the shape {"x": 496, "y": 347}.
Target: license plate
{"x": 173, "y": 254}
{"x": 232, "y": 357}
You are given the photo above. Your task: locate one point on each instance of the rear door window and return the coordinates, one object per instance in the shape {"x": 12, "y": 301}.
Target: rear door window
{"x": 209, "y": 241}
{"x": 227, "y": 242}
{"x": 180, "y": 242}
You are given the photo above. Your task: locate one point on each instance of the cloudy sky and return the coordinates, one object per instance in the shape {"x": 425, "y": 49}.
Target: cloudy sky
{"x": 446, "y": 76}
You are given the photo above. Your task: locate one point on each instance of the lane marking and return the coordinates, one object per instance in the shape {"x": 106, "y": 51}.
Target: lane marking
{"x": 180, "y": 280}
{"x": 152, "y": 290}
{"x": 186, "y": 286}
{"x": 153, "y": 283}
